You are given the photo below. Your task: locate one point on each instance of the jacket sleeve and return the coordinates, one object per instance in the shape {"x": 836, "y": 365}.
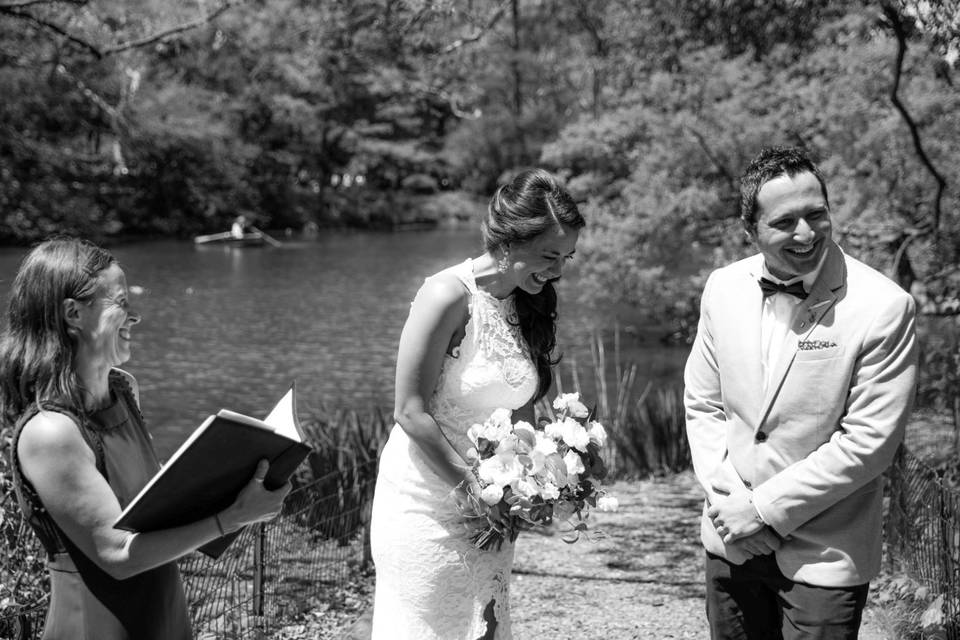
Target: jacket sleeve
{"x": 706, "y": 420}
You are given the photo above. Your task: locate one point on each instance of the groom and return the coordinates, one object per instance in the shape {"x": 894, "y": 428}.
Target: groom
{"x": 798, "y": 388}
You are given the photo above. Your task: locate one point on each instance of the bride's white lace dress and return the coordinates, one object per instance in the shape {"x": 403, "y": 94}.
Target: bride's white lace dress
{"x": 432, "y": 583}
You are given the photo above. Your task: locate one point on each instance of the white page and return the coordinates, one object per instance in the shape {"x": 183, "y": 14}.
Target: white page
{"x": 282, "y": 417}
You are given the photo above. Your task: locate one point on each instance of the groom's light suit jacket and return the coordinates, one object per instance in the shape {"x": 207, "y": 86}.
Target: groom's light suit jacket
{"x": 813, "y": 447}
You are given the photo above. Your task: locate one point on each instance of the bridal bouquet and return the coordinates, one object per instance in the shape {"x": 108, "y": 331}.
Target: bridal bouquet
{"x": 532, "y": 476}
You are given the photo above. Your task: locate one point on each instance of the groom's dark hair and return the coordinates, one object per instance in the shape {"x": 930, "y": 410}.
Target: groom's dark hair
{"x": 533, "y": 202}
{"x": 770, "y": 163}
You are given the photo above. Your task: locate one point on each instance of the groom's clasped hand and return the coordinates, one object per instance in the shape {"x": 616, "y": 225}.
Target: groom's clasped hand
{"x": 735, "y": 520}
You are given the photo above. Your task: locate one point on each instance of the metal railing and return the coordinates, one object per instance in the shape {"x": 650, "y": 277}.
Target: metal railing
{"x": 922, "y": 531}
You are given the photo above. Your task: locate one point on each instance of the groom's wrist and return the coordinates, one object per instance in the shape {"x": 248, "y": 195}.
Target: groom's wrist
{"x": 756, "y": 513}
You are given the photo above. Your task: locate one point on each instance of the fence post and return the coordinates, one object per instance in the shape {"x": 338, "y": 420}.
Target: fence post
{"x": 896, "y": 508}
{"x": 259, "y": 568}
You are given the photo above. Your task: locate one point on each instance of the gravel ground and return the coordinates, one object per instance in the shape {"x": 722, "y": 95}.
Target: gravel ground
{"x": 643, "y": 579}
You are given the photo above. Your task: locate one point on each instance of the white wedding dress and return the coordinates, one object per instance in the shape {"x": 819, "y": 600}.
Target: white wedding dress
{"x": 432, "y": 583}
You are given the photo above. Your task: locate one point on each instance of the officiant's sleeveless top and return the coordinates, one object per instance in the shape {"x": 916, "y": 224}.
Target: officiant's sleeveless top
{"x": 86, "y": 603}
{"x": 432, "y": 583}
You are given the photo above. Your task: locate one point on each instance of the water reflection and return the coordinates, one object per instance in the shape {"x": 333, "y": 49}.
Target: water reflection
{"x": 234, "y": 327}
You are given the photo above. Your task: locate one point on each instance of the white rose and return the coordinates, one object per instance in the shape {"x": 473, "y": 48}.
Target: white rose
{"x": 549, "y": 491}
{"x": 545, "y": 444}
{"x": 608, "y": 503}
{"x": 570, "y": 402}
{"x": 598, "y": 434}
{"x": 491, "y": 494}
{"x": 573, "y": 463}
{"x": 575, "y": 435}
{"x": 561, "y": 401}
{"x": 553, "y": 430}
{"x": 500, "y": 470}
{"x": 500, "y": 421}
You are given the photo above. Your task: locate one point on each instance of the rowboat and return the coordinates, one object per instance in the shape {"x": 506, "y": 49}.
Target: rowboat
{"x": 252, "y": 238}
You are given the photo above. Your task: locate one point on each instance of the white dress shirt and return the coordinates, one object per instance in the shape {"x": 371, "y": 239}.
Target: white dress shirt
{"x": 777, "y": 317}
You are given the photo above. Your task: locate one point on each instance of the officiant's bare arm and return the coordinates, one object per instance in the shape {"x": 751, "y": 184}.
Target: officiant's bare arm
{"x": 62, "y": 469}
{"x": 437, "y": 317}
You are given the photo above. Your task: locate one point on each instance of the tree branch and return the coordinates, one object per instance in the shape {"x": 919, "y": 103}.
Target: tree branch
{"x": 22, "y": 4}
{"x": 722, "y": 168}
{"x": 896, "y": 23}
{"x": 491, "y": 23}
{"x": 13, "y": 10}
{"x": 46, "y": 24}
{"x": 148, "y": 40}
{"x": 117, "y": 121}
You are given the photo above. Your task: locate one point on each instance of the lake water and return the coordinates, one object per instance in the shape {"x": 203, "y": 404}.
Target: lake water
{"x": 234, "y": 327}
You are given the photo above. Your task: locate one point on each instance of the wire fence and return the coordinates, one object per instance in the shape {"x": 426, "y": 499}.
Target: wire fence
{"x": 922, "y": 531}
{"x": 272, "y": 573}
{"x": 309, "y": 556}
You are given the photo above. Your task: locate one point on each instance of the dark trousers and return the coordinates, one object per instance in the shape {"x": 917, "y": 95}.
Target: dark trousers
{"x": 755, "y": 601}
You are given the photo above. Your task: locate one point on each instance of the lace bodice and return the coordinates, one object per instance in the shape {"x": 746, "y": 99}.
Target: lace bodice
{"x": 491, "y": 368}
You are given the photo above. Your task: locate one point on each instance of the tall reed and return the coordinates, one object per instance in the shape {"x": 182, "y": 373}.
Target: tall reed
{"x": 343, "y": 464}
{"x": 647, "y": 428}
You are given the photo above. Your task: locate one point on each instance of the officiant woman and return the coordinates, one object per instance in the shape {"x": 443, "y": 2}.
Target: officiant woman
{"x": 80, "y": 451}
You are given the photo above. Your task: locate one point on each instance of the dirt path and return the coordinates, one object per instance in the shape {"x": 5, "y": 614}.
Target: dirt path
{"x": 643, "y": 580}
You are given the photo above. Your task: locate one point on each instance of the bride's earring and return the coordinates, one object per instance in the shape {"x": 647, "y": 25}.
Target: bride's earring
{"x": 503, "y": 263}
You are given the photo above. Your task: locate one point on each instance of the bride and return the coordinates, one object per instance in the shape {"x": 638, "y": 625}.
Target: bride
{"x": 480, "y": 336}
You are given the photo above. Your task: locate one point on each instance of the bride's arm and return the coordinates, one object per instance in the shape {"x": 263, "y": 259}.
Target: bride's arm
{"x": 438, "y": 313}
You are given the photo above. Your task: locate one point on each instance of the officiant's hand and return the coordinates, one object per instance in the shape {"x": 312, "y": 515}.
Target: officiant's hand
{"x": 733, "y": 514}
{"x": 254, "y": 503}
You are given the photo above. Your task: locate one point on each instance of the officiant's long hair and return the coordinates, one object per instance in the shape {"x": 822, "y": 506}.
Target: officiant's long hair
{"x": 36, "y": 349}
{"x": 530, "y": 204}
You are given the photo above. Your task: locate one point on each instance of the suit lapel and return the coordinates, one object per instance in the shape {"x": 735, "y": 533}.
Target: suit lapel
{"x": 823, "y": 295}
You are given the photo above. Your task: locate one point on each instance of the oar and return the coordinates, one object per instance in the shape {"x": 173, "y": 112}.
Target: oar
{"x": 212, "y": 237}
{"x": 273, "y": 241}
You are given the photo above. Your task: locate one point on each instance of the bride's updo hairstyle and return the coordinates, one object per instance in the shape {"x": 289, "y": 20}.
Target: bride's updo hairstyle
{"x": 519, "y": 211}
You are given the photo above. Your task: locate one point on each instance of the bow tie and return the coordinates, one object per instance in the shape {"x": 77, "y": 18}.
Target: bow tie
{"x": 769, "y": 287}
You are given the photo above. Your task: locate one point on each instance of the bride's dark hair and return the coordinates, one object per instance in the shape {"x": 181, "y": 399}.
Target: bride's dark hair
{"x": 531, "y": 203}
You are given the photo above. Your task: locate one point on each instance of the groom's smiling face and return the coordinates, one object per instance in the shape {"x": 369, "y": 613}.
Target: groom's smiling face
{"x": 793, "y": 224}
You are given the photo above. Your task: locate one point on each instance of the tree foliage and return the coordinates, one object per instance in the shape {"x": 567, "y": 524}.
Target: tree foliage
{"x": 169, "y": 118}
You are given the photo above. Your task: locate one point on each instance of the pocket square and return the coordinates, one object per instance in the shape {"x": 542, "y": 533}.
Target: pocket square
{"x": 815, "y": 345}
